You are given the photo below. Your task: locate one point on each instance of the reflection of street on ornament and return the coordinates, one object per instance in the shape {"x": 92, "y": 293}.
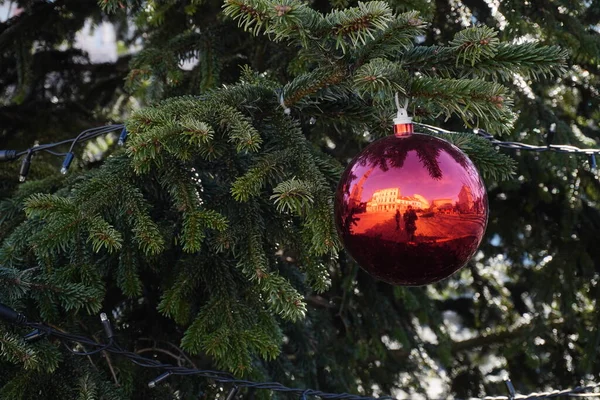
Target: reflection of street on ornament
{"x": 390, "y": 215}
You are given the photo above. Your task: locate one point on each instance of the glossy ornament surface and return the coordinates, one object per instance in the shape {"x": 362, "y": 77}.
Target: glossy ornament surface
{"x": 411, "y": 209}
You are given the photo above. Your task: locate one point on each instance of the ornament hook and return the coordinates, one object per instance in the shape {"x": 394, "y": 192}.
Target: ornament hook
{"x": 403, "y": 125}
{"x": 402, "y": 113}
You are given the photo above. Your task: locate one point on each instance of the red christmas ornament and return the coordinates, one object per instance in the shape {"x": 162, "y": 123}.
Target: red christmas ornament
{"x": 411, "y": 209}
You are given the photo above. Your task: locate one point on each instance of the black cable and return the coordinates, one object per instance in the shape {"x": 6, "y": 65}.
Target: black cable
{"x": 11, "y": 155}
{"x": 558, "y": 148}
{"x": 11, "y": 316}
{"x": 85, "y": 135}
{"x": 89, "y": 353}
{"x": 54, "y": 153}
{"x": 114, "y": 127}
{"x": 223, "y": 377}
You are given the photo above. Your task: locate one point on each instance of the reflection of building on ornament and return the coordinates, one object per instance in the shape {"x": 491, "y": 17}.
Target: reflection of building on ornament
{"x": 440, "y": 204}
{"x": 389, "y": 199}
{"x": 465, "y": 199}
{"x": 356, "y": 195}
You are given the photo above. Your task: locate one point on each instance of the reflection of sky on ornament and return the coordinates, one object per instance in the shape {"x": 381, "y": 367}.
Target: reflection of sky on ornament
{"x": 414, "y": 178}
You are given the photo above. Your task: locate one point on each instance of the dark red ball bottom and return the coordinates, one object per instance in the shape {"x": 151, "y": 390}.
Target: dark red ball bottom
{"x": 411, "y": 210}
{"x": 430, "y": 262}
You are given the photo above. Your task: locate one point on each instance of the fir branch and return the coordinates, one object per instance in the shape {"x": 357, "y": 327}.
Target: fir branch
{"x": 114, "y": 181}
{"x": 281, "y": 19}
{"x": 473, "y": 44}
{"x": 475, "y": 101}
{"x": 317, "y": 274}
{"x": 251, "y": 15}
{"x": 15, "y": 350}
{"x": 267, "y": 170}
{"x": 195, "y": 223}
{"x": 280, "y": 296}
{"x": 489, "y": 161}
{"x": 87, "y": 388}
{"x": 198, "y": 133}
{"x": 176, "y": 300}
{"x": 111, "y": 6}
{"x": 240, "y": 129}
{"x": 397, "y": 36}
{"x": 128, "y": 277}
{"x": 227, "y": 331}
{"x": 33, "y": 356}
{"x": 293, "y": 195}
{"x": 42, "y": 205}
{"x": 358, "y": 24}
{"x": 186, "y": 199}
{"x": 380, "y": 77}
{"x": 147, "y": 235}
{"x": 102, "y": 234}
{"x": 530, "y": 60}
{"x": 310, "y": 83}
{"x": 62, "y": 222}
{"x": 184, "y": 190}
{"x": 291, "y": 19}
{"x": 319, "y": 233}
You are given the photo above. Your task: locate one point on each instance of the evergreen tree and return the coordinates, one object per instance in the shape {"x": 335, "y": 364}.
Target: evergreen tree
{"x": 209, "y": 239}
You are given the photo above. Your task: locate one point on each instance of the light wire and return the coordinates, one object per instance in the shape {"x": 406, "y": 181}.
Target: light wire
{"x": 559, "y": 148}
{"x": 224, "y": 377}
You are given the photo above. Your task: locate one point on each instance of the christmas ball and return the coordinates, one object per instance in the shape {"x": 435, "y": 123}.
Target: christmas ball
{"x": 411, "y": 209}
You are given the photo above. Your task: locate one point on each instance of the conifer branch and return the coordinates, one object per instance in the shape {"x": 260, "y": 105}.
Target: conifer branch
{"x": 195, "y": 223}
{"x": 267, "y": 169}
{"x": 251, "y": 15}
{"x": 293, "y": 196}
{"x": 176, "y": 301}
{"x": 398, "y": 35}
{"x": 380, "y": 76}
{"x": 291, "y": 19}
{"x": 240, "y": 129}
{"x": 530, "y": 60}
{"x": 473, "y": 44}
{"x": 489, "y": 161}
{"x": 475, "y": 101}
{"x": 14, "y": 350}
{"x": 310, "y": 83}
{"x": 358, "y": 24}
{"x": 128, "y": 277}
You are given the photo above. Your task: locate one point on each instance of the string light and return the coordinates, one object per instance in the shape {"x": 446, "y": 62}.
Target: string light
{"x": 11, "y": 155}
{"x": 122, "y": 137}
{"x": 558, "y": 148}
{"x": 13, "y": 317}
{"x": 27, "y": 155}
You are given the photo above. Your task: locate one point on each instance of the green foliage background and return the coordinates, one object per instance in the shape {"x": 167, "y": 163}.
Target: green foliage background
{"x": 209, "y": 239}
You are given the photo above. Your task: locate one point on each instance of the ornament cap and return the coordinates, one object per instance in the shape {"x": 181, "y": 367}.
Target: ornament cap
{"x": 403, "y": 129}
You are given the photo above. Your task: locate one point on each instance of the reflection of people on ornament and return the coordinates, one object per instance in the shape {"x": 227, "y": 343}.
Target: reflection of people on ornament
{"x": 410, "y": 223}
{"x": 398, "y": 218}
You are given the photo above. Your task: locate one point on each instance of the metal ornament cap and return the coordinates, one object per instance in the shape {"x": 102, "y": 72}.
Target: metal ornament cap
{"x": 411, "y": 209}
